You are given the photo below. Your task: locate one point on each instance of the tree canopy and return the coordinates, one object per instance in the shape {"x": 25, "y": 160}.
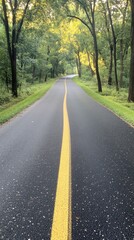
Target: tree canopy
{"x": 41, "y": 39}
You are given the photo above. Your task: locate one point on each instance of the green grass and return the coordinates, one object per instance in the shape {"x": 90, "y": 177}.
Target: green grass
{"x": 116, "y": 102}
{"x": 28, "y": 96}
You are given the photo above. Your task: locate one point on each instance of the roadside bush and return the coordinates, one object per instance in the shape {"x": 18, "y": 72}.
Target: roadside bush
{"x": 5, "y": 98}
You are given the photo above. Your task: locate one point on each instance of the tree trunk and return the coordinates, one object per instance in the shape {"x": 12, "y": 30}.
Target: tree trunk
{"x": 14, "y": 73}
{"x": 89, "y": 64}
{"x": 91, "y": 27}
{"x": 122, "y": 53}
{"x": 40, "y": 76}
{"x": 52, "y": 73}
{"x": 114, "y": 46}
{"x": 131, "y": 80}
{"x": 46, "y": 77}
{"x": 121, "y": 62}
{"x": 110, "y": 66}
{"x": 13, "y": 61}
{"x": 33, "y": 73}
{"x": 115, "y": 66}
{"x": 96, "y": 63}
{"x": 95, "y": 47}
{"x": 7, "y": 80}
{"x": 109, "y": 41}
{"x": 78, "y": 63}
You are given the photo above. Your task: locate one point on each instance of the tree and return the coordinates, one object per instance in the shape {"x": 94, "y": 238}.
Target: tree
{"x": 18, "y": 10}
{"x": 131, "y": 81}
{"x": 89, "y": 8}
{"x": 107, "y": 33}
{"x": 123, "y": 10}
{"x": 114, "y": 44}
{"x": 86, "y": 34}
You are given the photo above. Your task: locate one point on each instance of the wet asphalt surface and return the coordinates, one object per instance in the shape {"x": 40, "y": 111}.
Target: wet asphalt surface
{"x": 102, "y": 169}
{"x": 29, "y": 159}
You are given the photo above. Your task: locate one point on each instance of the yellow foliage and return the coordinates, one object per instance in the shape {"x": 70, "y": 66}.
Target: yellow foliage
{"x": 68, "y": 30}
{"x": 84, "y": 59}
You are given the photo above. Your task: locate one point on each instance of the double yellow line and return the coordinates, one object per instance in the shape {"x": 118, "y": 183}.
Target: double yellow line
{"x": 62, "y": 219}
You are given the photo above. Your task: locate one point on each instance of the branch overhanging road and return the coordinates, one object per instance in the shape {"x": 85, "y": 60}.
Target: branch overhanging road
{"x": 37, "y": 174}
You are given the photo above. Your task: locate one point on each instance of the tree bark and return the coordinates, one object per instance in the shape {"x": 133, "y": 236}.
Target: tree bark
{"x": 122, "y": 46}
{"x": 114, "y": 47}
{"x": 7, "y": 80}
{"x": 115, "y": 66}
{"x": 13, "y": 62}
{"x": 52, "y": 73}
{"x": 121, "y": 62}
{"x": 92, "y": 8}
{"x": 89, "y": 64}
{"x": 78, "y": 63}
{"x": 46, "y": 76}
{"x": 96, "y": 63}
{"x": 110, "y": 66}
{"x": 33, "y": 73}
{"x": 109, "y": 42}
{"x": 14, "y": 73}
{"x": 131, "y": 80}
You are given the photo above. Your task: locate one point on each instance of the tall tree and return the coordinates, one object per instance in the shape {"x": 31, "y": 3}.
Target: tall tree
{"x": 109, "y": 39}
{"x": 131, "y": 81}
{"x": 13, "y": 30}
{"x": 4, "y": 60}
{"x": 114, "y": 45}
{"x": 89, "y": 8}
{"x": 123, "y": 11}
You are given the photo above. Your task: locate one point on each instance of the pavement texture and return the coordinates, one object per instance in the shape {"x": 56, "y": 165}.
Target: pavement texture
{"x": 102, "y": 170}
{"x": 29, "y": 158}
{"x": 102, "y": 155}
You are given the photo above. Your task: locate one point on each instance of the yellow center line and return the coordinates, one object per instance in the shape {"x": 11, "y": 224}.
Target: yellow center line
{"x": 62, "y": 220}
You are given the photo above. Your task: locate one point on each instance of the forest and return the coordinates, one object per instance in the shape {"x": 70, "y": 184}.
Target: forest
{"x": 43, "y": 39}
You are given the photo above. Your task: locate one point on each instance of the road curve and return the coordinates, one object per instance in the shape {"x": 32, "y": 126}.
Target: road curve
{"x": 102, "y": 163}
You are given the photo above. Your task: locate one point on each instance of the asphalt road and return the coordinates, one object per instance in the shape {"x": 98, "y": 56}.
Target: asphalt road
{"x": 102, "y": 156}
{"x": 102, "y": 171}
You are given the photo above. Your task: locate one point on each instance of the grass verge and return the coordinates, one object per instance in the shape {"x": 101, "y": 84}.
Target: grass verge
{"x": 15, "y": 106}
{"x": 116, "y": 102}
